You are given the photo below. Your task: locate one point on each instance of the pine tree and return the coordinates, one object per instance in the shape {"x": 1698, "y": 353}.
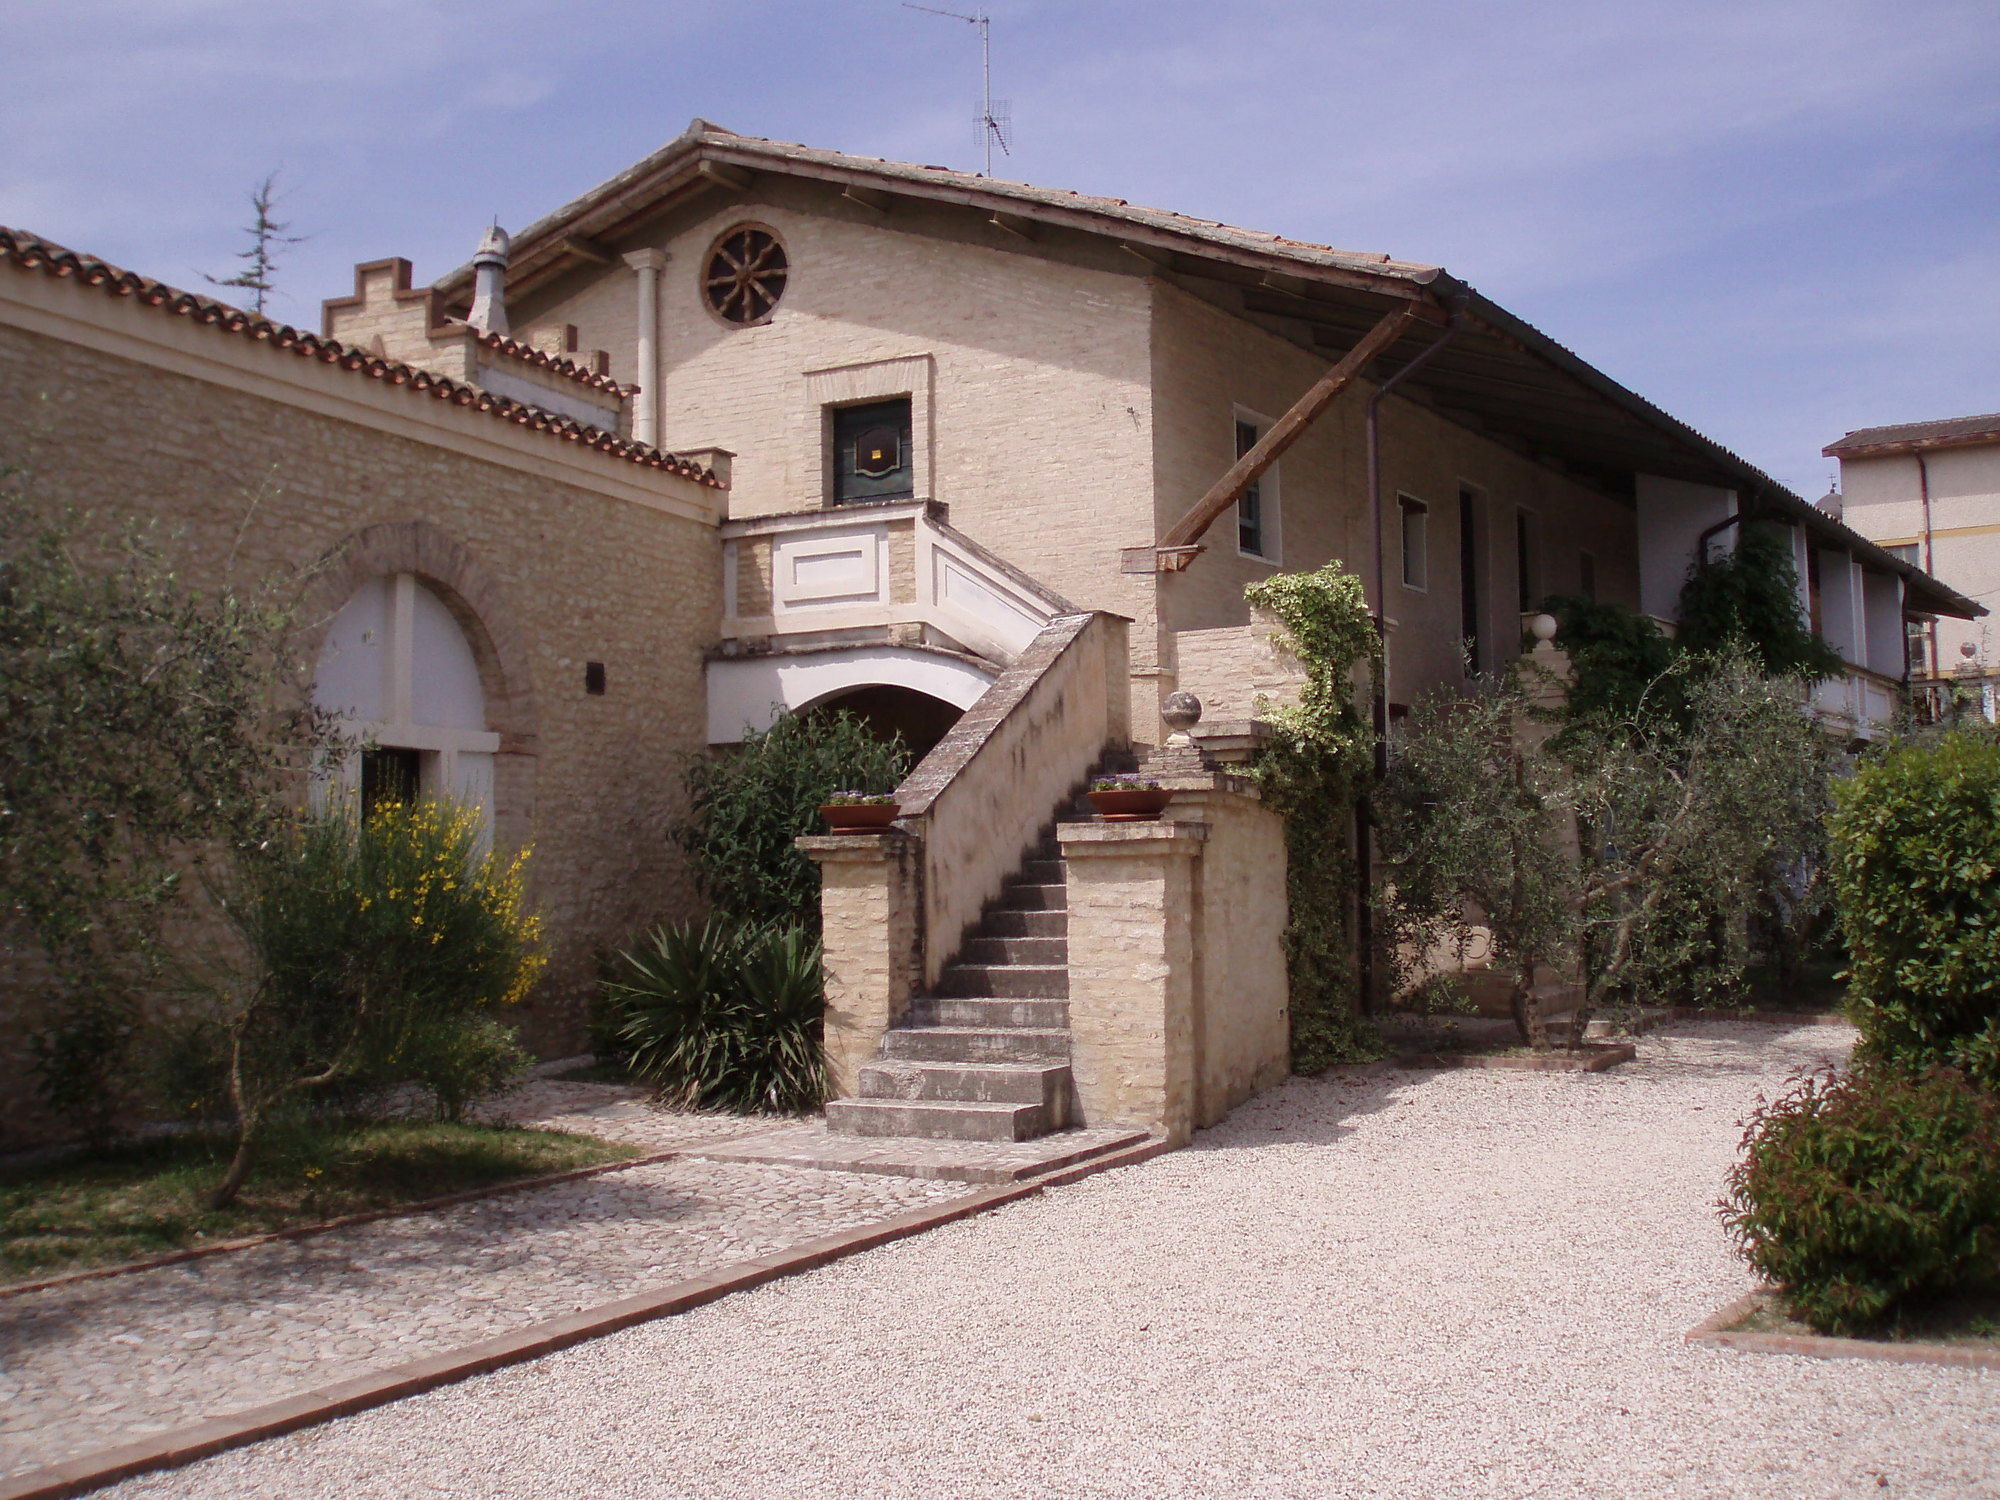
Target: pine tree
{"x": 267, "y": 234}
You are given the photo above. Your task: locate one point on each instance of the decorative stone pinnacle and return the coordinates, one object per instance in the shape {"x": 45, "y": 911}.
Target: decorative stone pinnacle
{"x": 1181, "y": 712}
{"x": 489, "y": 282}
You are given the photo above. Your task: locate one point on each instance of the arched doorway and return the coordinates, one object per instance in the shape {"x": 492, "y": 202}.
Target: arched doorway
{"x": 397, "y": 670}
{"x": 888, "y": 710}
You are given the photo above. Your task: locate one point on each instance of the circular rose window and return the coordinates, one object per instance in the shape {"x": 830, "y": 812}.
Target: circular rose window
{"x": 746, "y": 275}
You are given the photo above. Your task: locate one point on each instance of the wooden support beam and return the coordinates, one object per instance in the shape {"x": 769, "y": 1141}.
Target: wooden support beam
{"x": 585, "y": 248}
{"x": 867, "y": 197}
{"x": 1152, "y": 255}
{"x": 722, "y": 176}
{"x": 1284, "y": 432}
{"x": 1014, "y": 224}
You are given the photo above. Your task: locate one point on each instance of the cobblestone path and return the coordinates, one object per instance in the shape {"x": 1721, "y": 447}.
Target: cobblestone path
{"x": 101, "y": 1362}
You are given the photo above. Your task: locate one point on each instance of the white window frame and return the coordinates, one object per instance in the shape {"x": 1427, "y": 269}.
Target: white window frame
{"x": 1408, "y": 506}
{"x": 1267, "y": 493}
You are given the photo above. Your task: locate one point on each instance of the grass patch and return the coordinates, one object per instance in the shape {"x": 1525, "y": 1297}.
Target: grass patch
{"x": 1967, "y": 1319}
{"x": 151, "y": 1197}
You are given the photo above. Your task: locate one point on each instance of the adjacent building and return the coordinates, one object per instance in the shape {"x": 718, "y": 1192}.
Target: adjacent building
{"x": 1929, "y": 494}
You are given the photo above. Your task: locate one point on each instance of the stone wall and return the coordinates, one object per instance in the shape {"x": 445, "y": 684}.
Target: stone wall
{"x": 1211, "y": 365}
{"x": 1179, "y": 1002}
{"x": 257, "y": 461}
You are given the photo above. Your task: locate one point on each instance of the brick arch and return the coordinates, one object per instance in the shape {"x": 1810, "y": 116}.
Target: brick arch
{"x": 448, "y": 568}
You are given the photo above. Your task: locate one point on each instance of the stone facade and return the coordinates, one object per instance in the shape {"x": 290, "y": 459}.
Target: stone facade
{"x": 549, "y": 554}
{"x": 1179, "y": 1007}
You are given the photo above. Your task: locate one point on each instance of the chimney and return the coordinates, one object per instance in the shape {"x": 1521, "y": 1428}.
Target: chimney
{"x": 489, "y": 282}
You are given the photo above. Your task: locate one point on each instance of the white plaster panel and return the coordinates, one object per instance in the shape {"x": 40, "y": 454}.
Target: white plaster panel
{"x": 1672, "y": 515}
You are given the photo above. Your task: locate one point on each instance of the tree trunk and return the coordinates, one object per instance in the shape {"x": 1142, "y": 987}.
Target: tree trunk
{"x": 1528, "y": 1017}
{"x": 239, "y": 1165}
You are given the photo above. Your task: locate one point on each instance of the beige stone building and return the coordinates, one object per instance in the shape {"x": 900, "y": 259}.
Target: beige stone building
{"x": 1929, "y": 492}
{"x": 755, "y": 426}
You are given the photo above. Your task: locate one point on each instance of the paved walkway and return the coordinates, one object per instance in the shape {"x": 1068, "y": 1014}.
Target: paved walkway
{"x": 1385, "y": 1284}
{"x": 102, "y": 1362}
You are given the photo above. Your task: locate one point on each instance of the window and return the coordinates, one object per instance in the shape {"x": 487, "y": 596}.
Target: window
{"x": 871, "y": 452}
{"x": 1906, "y": 552}
{"x": 398, "y": 673}
{"x": 1586, "y": 576}
{"x": 1524, "y": 559}
{"x": 390, "y": 777}
{"x": 745, "y": 275}
{"x": 1416, "y": 545}
{"x": 1257, "y": 507}
{"x": 1468, "y": 578}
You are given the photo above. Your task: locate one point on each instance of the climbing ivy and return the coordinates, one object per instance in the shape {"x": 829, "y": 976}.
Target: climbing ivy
{"x": 1744, "y": 604}
{"x": 1313, "y": 772}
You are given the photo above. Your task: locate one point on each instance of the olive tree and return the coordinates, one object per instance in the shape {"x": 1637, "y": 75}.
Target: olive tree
{"x": 146, "y": 726}
{"x": 1615, "y": 850}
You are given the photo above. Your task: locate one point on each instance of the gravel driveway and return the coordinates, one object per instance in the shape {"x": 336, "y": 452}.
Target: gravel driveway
{"x": 1385, "y": 1284}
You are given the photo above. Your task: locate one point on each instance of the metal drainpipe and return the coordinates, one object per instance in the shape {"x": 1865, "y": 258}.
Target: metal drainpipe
{"x": 1924, "y": 491}
{"x": 1363, "y": 835}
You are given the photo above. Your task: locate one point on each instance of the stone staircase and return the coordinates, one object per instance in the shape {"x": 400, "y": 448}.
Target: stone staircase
{"x": 985, "y": 1058}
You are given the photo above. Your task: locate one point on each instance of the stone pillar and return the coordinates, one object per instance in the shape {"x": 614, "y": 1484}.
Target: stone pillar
{"x": 647, "y": 264}
{"x": 1133, "y": 984}
{"x": 871, "y": 905}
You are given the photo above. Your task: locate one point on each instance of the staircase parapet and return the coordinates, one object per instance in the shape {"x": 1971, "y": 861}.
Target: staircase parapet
{"x": 980, "y": 799}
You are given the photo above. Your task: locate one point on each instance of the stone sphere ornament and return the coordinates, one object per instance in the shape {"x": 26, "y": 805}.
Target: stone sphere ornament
{"x": 1543, "y": 627}
{"x": 1181, "y": 712}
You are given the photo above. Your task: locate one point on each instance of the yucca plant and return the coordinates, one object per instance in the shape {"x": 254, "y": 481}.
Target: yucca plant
{"x": 723, "y": 1015}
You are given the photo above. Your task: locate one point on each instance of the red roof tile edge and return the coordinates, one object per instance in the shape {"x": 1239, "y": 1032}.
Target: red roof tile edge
{"x": 30, "y": 253}
{"x": 555, "y": 364}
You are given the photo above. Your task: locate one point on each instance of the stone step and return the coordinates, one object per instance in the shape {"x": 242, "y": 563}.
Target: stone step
{"x": 1032, "y": 897}
{"x": 942, "y": 1122}
{"x": 989, "y": 1013}
{"x": 1022, "y": 924}
{"x": 1037, "y": 871}
{"x": 1045, "y": 1083}
{"x": 976, "y": 1044}
{"x": 1004, "y": 982}
{"x": 1017, "y": 950}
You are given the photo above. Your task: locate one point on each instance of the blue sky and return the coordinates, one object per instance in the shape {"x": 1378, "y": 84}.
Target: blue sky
{"x": 1779, "y": 219}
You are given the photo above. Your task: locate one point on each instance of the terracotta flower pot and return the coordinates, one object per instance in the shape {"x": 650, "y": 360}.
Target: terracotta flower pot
{"x": 1136, "y": 805}
{"x": 859, "y": 817}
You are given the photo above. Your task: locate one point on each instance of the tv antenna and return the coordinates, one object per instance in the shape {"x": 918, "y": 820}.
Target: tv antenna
{"x": 993, "y": 123}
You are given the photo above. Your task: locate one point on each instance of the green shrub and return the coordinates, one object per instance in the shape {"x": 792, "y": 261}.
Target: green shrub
{"x": 375, "y": 944}
{"x": 1916, "y": 874}
{"x": 746, "y": 807}
{"x": 724, "y": 1015}
{"x": 462, "y": 1059}
{"x": 1856, "y": 1194}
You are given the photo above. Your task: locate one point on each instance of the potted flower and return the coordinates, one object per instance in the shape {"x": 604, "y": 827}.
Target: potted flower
{"x": 1128, "y": 799}
{"x": 859, "y": 812}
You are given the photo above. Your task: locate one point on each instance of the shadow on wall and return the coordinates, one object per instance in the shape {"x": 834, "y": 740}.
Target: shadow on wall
{"x": 888, "y": 710}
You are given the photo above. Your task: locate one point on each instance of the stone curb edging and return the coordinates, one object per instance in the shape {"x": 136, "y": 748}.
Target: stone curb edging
{"x": 199, "y": 1440}
{"x": 1776, "y": 1017}
{"x": 1716, "y": 1333}
{"x": 1595, "y": 1058}
{"x": 345, "y": 1221}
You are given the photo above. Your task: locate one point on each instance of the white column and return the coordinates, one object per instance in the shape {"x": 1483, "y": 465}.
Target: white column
{"x": 647, "y": 265}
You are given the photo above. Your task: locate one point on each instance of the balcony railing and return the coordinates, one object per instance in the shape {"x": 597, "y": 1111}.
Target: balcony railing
{"x": 1946, "y": 700}
{"x": 894, "y": 572}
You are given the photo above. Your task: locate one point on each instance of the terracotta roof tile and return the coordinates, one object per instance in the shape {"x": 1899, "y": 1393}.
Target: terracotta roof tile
{"x": 1949, "y": 432}
{"x": 555, "y": 364}
{"x": 27, "y": 252}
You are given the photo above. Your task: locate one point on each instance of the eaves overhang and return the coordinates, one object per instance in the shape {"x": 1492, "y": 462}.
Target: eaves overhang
{"x": 1502, "y": 372}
